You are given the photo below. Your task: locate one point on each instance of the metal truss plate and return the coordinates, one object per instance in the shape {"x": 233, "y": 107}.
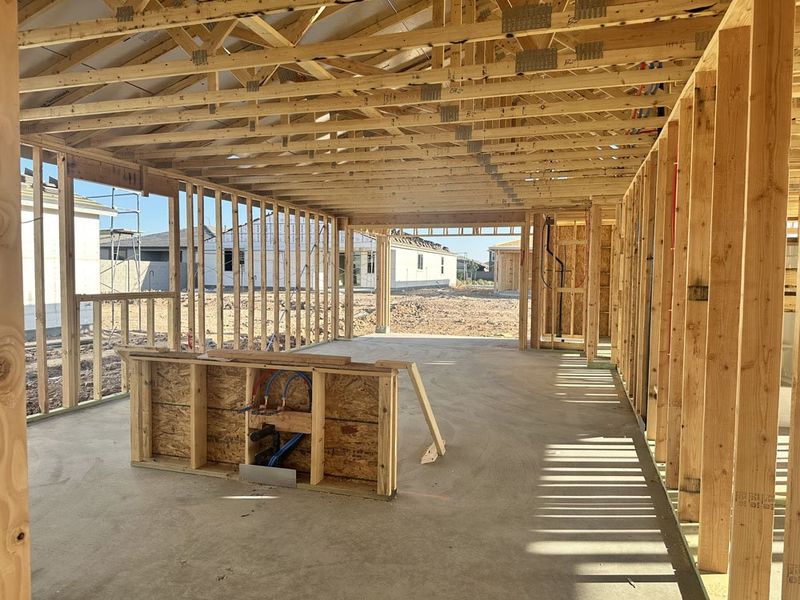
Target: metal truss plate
{"x": 464, "y": 132}
{"x": 430, "y": 92}
{"x": 536, "y": 60}
{"x": 590, "y": 9}
{"x": 286, "y": 75}
{"x": 484, "y": 158}
{"x": 491, "y": 169}
{"x": 527, "y": 17}
{"x": 475, "y": 146}
{"x": 124, "y": 13}
{"x": 448, "y": 114}
{"x": 589, "y": 51}
{"x": 253, "y": 85}
{"x": 200, "y": 57}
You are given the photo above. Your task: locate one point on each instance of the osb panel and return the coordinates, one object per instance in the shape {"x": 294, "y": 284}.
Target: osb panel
{"x": 226, "y": 387}
{"x": 170, "y": 430}
{"x": 351, "y": 398}
{"x": 170, "y": 383}
{"x": 351, "y": 450}
{"x": 225, "y": 436}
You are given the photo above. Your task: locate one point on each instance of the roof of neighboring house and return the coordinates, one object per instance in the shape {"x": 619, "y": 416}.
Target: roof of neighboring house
{"x": 421, "y": 244}
{"x": 83, "y": 205}
{"x": 510, "y": 246}
{"x": 149, "y": 241}
{"x": 473, "y": 262}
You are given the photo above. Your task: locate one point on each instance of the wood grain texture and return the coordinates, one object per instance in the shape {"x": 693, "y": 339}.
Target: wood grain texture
{"x": 15, "y": 569}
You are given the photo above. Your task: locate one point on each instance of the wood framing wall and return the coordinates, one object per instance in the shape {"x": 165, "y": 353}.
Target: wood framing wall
{"x": 700, "y": 298}
{"x": 15, "y": 569}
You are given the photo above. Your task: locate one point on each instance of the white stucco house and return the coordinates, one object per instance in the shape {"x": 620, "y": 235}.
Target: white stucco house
{"x": 415, "y": 262}
{"x": 87, "y": 253}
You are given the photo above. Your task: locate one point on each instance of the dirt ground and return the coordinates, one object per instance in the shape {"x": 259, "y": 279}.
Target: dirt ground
{"x": 464, "y": 311}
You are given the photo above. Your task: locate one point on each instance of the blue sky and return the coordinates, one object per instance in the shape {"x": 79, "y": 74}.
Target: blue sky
{"x": 154, "y": 215}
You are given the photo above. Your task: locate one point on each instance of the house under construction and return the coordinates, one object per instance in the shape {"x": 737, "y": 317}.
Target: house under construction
{"x": 641, "y": 438}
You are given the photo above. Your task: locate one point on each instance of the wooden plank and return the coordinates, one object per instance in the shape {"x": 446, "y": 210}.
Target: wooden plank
{"x": 762, "y": 287}
{"x": 307, "y": 269}
{"x": 593, "y": 291}
{"x": 200, "y": 237}
{"x": 524, "y": 281}
{"x": 15, "y": 580}
{"x": 124, "y": 332}
{"x": 348, "y": 282}
{"x": 293, "y": 358}
{"x": 722, "y": 345}
{"x": 537, "y": 294}
{"x": 198, "y": 415}
{"x": 97, "y": 350}
{"x": 220, "y": 263}
{"x": 298, "y": 299}
{"x": 289, "y": 421}
{"x": 330, "y": 282}
{"x": 251, "y": 276}
{"x": 790, "y": 585}
{"x": 317, "y": 427}
{"x": 276, "y": 280}
{"x": 151, "y": 322}
{"x": 237, "y": 277}
{"x": 263, "y": 263}
{"x": 40, "y": 308}
{"x": 663, "y": 265}
{"x": 136, "y": 410}
{"x": 174, "y": 325}
{"x": 318, "y": 230}
{"x": 425, "y": 405}
{"x": 384, "y": 436}
{"x": 70, "y": 357}
{"x": 287, "y": 277}
{"x": 696, "y": 315}
{"x": 190, "y": 268}
{"x": 249, "y": 446}
{"x": 681, "y": 222}
{"x": 145, "y": 402}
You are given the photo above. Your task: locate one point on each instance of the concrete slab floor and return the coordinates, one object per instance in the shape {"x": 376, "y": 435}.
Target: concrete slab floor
{"x": 541, "y": 495}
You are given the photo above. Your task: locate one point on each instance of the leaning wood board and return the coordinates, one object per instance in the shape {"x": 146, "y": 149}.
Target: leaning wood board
{"x": 187, "y": 415}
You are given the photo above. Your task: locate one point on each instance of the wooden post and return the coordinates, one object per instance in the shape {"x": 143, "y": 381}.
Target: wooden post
{"x": 382, "y": 283}
{"x": 722, "y": 346}
{"x": 15, "y": 574}
{"x": 524, "y": 271}
{"x": 645, "y": 283}
{"x": 70, "y": 325}
{"x": 696, "y": 317}
{"x": 287, "y": 270}
{"x": 251, "y": 276}
{"x": 174, "y": 325}
{"x": 328, "y": 298}
{"x": 97, "y": 350}
{"x": 317, "y": 427}
{"x": 307, "y": 267}
{"x": 190, "y": 271}
{"x": 276, "y": 279}
{"x": 200, "y": 240}
{"x": 681, "y": 221}
{"x": 237, "y": 274}
{"x": 151, "y": 322}
{"x": 298, "y": 277}
{"x": 348, "y": 282}
{"x": 593, "y": 284}
{"x": 384, "y": 435}
{"x": 663, "y": 264}
{"x": 263, "y": 269}
{"x": 616, "y": 284}
{"x": 124, "y": 332}
{"x": 334, "y": 232}
{"x": 791, "y": 529}
{"x": 763, "y": 271}
{"x": 536, "y": 311}
{"x": 38, "y": 280}
{"x": 220, "y": 283}
{"x": 198, "y": 416}
{"x": 317, "y": 242}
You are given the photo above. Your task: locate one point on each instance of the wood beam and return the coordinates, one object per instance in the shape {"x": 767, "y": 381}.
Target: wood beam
{"x": 762, "y": 292}
{"x": 724, "y": 284}
{"x": 15, "y": 573}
